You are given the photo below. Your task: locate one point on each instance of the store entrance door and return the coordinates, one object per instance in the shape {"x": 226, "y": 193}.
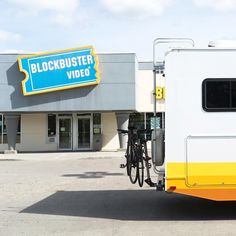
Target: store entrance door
{"x": 65, "y": 133}
{"x": 84, "y": 133}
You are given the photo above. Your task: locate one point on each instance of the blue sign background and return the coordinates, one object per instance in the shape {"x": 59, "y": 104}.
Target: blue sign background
{"x": 45, "y": 73}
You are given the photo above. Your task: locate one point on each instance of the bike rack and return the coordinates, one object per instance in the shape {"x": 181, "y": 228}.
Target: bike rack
{"x": 159, "y": 68}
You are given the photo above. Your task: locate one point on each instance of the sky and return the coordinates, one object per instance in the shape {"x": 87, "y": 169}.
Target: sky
{"x": 112, "y": 25}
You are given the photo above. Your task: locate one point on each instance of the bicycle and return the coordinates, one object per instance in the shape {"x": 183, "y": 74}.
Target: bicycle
{"x": 131, "y": 163}
{"x": 139, "y": 162}
{"x": 146, "y": 158}
{"x": 136, "y": 154}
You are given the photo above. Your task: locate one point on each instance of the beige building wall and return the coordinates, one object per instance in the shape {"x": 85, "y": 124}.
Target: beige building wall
{"x": 144, "y": 91}
{"x": 34, "y": 133}
{"x": 109, "y": 132}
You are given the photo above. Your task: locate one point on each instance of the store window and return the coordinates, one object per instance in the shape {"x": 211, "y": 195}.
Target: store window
{"x": 18, "y": 135}
{"x": 3, "y": 130}
{"x": 96, "y": 123}
{"x": 142, "y": 121}
{"x": 137, "y": 120}
{"x": 219, "y": 95}
{"x": 52, "y": 125}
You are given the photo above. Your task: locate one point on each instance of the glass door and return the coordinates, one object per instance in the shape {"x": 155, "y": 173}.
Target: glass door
{"x": 84, "y": 133}
{"x": 65, "y": 133}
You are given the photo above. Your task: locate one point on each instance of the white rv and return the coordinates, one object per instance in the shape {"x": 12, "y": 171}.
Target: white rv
{"x": 200, "y": 122}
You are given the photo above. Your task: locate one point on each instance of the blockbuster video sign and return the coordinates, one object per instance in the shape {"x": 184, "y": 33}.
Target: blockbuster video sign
{"x": 59, "y": 70}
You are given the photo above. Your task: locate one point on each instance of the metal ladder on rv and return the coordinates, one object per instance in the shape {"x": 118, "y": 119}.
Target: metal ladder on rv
{"x": 159, "y": 69}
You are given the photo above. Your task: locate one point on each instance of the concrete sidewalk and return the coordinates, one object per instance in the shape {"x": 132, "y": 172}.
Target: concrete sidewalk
{"x": 62, "y": 155}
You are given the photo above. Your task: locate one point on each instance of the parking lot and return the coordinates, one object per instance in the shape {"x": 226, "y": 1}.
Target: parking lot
{"x": 88, "y": 194}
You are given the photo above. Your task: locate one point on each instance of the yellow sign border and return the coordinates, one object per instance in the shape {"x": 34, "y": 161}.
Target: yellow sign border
{"x": 98, "y": 78}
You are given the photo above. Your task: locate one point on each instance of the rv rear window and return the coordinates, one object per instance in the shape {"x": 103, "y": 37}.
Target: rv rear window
{"x": 219, "y": 95}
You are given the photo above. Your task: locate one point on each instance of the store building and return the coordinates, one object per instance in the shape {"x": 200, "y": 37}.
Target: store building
{"x": 82, "y": 118}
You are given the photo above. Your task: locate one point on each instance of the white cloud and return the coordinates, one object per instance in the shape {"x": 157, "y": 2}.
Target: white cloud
{"x": 6, "y": 36}
{"x": 51, "y": 5}
{"x": 62, "y": 12}
{"x": 137, "y": 7}
{"x": 223, "y": 5}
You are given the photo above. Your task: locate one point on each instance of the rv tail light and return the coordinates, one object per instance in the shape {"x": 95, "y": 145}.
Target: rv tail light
{"x": 171, "y": 189}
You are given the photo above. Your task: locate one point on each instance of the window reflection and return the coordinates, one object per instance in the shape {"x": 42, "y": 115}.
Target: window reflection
{"x": 3, "y": 130}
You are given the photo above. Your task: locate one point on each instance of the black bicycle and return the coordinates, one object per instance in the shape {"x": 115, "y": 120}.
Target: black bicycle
{"x": 136, "y": 155}
{"x": 131, "y": 154}
{"x": 146, "y": 158}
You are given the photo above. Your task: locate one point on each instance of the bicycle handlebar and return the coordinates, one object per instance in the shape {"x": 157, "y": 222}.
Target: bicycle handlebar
{"x": 123, "y": 131}
{"x": 135, "y": 131}
{"x": 144, "y": 130}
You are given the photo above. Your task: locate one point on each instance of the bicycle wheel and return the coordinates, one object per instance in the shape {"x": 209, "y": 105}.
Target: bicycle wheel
{"x": 133, "y": 167}
{"x": 128, "y": 159}
{"x": 140, "y": 167}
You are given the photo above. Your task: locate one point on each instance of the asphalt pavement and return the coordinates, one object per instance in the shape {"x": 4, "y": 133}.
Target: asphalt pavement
{"x": 88, "y": 194}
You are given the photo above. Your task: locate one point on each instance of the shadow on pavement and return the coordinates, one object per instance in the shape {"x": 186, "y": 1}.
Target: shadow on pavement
{"x": 10, "y": 160}
{"x": 93, "y": 175}
{"x": 136, "y": 205}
